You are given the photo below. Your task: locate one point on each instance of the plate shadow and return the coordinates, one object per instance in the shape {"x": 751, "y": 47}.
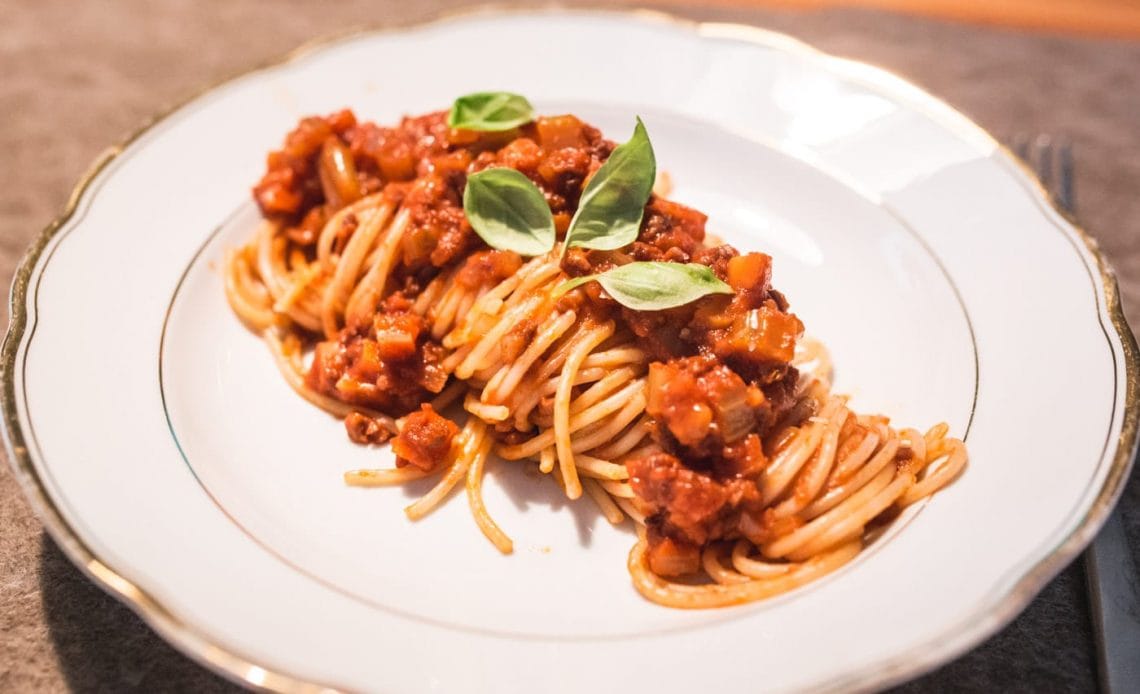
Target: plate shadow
{"x": 102, "y": 646}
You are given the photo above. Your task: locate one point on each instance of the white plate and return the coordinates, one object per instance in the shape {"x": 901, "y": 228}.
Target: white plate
{"x": 169, "y": 459}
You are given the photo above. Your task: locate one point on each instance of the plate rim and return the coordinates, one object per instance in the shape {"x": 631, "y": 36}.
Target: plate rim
{"x": 242, "y": 669}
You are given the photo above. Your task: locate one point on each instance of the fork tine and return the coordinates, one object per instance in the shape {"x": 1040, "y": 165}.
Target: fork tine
{"x": 1065, "y": 193}
{"x": 1020, "y": 146}
{"x": 1043, "y": 149}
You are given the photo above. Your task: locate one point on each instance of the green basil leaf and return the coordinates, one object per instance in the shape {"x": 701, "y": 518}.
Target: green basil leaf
{"x": 653, "y": 286}
{"x": 490, "y": 111}
{"x": 508, "y": 212}
{"x": 610, "y": 209}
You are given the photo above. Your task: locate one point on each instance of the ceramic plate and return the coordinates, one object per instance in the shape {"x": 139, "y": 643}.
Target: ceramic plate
{"x": 169, "y": 459}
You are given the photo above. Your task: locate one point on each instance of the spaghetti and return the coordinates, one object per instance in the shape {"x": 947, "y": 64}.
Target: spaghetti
{"x": 711, "y": 425}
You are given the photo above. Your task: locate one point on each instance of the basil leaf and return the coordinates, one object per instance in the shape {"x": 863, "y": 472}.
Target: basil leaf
{"x": 508, "y": 212}
{"x": 610, "y": 209}
{"x": 490, "y": 111}
{"x": 653, "y": 286}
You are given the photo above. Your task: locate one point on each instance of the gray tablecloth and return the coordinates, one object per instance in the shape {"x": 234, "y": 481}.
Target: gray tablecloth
{"x": 75, "y": 77}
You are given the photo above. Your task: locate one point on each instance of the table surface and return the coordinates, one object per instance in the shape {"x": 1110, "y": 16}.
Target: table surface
{"x": 79, "y": 76}
{"x": 1120, "y": 18}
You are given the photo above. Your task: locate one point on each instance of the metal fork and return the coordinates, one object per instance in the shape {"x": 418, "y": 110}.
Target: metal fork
{"x": 1114, "y": 595}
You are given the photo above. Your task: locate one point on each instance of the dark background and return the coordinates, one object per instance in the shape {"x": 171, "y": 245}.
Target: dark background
{"x": 76, "y": 77}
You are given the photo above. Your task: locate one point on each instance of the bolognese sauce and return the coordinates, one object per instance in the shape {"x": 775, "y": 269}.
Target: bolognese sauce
{"x": 689, "y": 416}
{"x": 717, "y": 383}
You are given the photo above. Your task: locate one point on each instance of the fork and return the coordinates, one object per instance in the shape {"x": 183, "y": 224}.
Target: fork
{"x": 1109, "y": 569}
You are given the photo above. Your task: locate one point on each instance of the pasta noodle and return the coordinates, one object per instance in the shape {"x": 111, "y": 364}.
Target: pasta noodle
{"x": 553, "y": 381}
